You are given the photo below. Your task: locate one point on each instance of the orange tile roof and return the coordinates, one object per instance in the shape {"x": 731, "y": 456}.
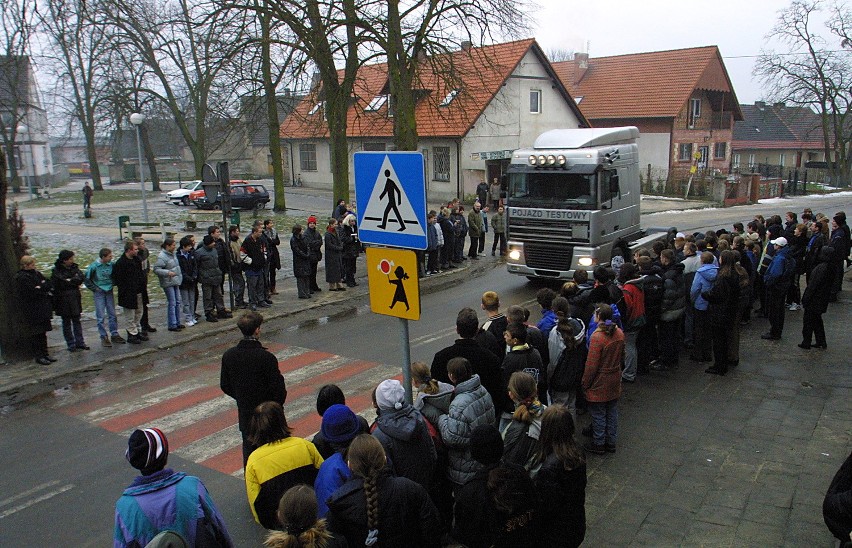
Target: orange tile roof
{"x": 646, "y": 85}
{"x": 480, "y": 72}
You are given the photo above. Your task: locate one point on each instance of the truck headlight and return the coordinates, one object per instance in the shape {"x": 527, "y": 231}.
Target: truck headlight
{"x": 515, "y": 255}
{"x": 586, "y": 261}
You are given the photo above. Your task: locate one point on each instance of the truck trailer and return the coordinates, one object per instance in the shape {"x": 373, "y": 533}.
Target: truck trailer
{"x": 573, "y": 202}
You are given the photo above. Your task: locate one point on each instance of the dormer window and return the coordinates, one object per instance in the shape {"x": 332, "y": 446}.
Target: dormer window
{"x": 377, "y": 103}
{"x": 315, "y": 108}
{"x": 578, "y": 99}
{"x": 449, "y": 98}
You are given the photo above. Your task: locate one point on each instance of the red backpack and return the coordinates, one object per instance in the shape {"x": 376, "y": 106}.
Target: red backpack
{"x": 634, "y": 298}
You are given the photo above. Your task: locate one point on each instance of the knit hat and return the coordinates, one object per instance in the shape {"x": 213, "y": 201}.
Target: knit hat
{"x": 312, "y": 219}
{"x": 486, "y": 444}
{"x": 774, "y": 230}
{"x": 781, "y": 242}
{"x": 389, "y": 395}
{"x": 339, "y": 424}
{"x": 65, "y": 254}
{"x": 616, "y": 263}
{"x": 147, "y": 450}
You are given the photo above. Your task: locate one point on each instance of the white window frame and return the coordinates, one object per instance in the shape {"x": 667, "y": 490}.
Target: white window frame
{"x": 535, "y": 94}
{"x": 781, "y": 158}
{"x": 716, "y": 150}
{"x": 681, "y": 148}
{"x": 751, "y": 162}
{"x": 694, "y": 112}
{"x": 449, "y": 98}
{"x": 306, "y": 150}
{"x": 736, "y": 160}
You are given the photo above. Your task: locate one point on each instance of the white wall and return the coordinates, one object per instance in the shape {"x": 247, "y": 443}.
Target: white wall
{"x": 654, "y": 149}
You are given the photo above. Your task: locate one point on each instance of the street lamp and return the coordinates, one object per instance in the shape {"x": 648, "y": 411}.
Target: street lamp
{"x": 24, "y": 130}
{"x": 136, "y": 119}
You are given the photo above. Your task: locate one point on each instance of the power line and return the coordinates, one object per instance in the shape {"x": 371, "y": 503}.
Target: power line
{"x": 781, "y": 54}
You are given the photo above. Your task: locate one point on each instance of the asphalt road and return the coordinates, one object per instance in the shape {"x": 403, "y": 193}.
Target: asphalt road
{"x": 64, "y": 465}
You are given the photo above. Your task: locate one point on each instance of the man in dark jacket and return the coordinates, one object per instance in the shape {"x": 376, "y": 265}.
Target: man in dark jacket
{"x": 841, "y": 241}
{"x": 777, "y": 281}
{"x": 647, "y": 341}
{"x": 837, "y": 505}
{"x": 314, "y": 240}
{"x": 253, "y": 255}
{"x": 250, "y": 375}
{"x": 128, "y": 276}
{"x": 210, "y": 277}
{"x": 483, "y": 361}
{"x": 671, "y": 311}
{"x": 816, "y": 297}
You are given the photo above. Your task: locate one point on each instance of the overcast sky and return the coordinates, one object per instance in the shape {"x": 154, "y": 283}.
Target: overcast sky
{"x": 617, "y": 27}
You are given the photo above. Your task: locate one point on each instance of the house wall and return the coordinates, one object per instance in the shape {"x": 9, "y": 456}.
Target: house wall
{"x": 655, "y": 137}
{"x": 792, "y": 158}
{"x": 706, "y": 130}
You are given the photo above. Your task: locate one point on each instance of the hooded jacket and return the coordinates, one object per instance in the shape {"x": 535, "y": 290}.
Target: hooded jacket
{"x": 432, "y": 406}
{"x": 167, "y": 262}
{"x": 703, "y": 281}
{"x": 775, "y": 279}
{"x": 471, "y": 407}
{"x": 816, "y": 296}
{"x": 208, "y": 266}
{"x": 405, "y": 437}
{"x": 168, "y": 500}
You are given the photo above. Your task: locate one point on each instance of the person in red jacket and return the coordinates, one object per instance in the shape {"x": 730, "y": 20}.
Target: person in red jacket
{"x": 602, "y": 380}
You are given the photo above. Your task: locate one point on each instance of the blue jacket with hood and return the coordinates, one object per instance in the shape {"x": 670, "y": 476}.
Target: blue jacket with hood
{"x": 702, "y": 282}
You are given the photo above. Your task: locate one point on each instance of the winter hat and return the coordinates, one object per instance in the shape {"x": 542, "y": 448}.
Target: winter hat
{"x": 774, "y": 230}
{"x": 147, "y": 450}
{"x": 339, "y": 424}
{"x": 208, "y": 240}
{"x": 782, "y": 241}
{"x": 616, "y": 263}
{"x": 312, "y": 219}
{"x": 389, "y": 395}
{"x": 486, "y": 444}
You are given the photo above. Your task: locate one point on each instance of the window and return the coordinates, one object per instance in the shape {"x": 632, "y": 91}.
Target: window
{"x": 374, "y": 147}
{"x": 441, "y": 165}
{"x": 449, "y": 98}
{"x": 781, "y": 159}
{"x": 751, "y": 161}
{"x": 314, "y": 109}
{"x": 535, "y": 101}
{"x": 719, "y": 150}
{"x": 736, "y": 162}
{"x": 308, "y": 156}
{"x": 377, "y": 103}
{"x": 694, "y": 111}
{"x": 684, "y": 152}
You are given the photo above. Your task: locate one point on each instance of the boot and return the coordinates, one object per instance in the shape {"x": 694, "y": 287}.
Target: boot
{"x": 133, "y": 339}
{"x": 210, "y": 317}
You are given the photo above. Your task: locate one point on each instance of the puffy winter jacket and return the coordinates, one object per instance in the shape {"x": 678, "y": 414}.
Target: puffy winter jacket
{"x": 471, "y": 407}
{"x": 674, "y": 296}
{"x": 208, "y": 266}
{"x": 168, "y": 262}
{"x": 702, "y": 282}
{"x": 405, "y": 437}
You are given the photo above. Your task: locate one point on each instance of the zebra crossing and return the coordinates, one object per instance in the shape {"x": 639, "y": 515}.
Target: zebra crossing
{"x": 184, "y": 400}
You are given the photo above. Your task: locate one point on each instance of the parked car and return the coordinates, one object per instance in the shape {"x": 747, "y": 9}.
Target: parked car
{"x": 199, "y": 192}
{"x": 252, "y": 196}
{"x": 180, "y": 196}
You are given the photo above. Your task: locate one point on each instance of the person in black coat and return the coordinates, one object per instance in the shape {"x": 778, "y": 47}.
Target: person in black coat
{"x": 131, "y": 280}
{"x": 250, "y": 375}
{"x": 561, "y": 480}
{"x": 723, "y": 298}
{"x": 351, "y": 248}
{"x": 66, "y": 280}
{"x": 314, "y": 239}
{"x": 374, "y": 508}
{"x": 837, "y": 505}
{"x": 253, "y": 255}
{"x": 301, "y": 262}
{"x": 274, "y": 257}
{"x": 333, "y": 257}
{"x": 816, "y": 297}
{"x": 499, "y": 507}
{"x": 34, "y": 298}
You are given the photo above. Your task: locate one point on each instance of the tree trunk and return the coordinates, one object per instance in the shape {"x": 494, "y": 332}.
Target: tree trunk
{"x": 10, "y": 327}
{"x": 149, "y": 158}
{"x": 272, "y": 116}
{"x": 92, "y": 155}
{"x": 400, "y": 75}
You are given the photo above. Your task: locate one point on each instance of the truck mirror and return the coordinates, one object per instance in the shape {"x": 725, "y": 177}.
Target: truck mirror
{"x": 613, "y": 185}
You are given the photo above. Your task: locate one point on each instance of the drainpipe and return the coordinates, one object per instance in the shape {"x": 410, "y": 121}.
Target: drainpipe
{"x": 458, "y": 170}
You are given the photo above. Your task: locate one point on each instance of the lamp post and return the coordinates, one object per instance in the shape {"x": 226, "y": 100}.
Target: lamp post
{"x": 136, "y": 119}
{"x": 24, "y": 130}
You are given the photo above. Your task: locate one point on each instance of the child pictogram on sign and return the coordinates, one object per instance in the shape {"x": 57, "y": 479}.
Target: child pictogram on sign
{"x": 399, "y": 293}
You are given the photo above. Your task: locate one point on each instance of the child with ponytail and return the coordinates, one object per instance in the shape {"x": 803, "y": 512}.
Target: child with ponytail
{"x": 602, "y": 380}
{"x": 521, "y": 435}
{"x": 297, "y": 513}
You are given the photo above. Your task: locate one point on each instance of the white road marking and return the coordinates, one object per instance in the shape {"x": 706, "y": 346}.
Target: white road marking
{"x": 36, "y": 500}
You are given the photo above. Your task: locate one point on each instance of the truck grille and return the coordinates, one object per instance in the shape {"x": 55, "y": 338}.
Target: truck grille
{"x": 548, "y": 256}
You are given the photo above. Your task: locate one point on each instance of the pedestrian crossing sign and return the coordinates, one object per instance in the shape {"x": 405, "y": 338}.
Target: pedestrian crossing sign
{"x": 390, "y": 191}
{"x": 394, "y": 285}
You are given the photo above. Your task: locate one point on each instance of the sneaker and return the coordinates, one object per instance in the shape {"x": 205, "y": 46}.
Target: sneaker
{"x": 105, "y": 342}
{"x": 795, "y": 307}
{"x": 262, "y": 304}
{"x": 118, "y": 339}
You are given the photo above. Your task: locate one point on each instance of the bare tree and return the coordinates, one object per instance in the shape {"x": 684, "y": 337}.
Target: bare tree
{"x": 556, "y": 55}
{"x": 78, "y": 49}
{"x": 816, "y": 73}
{"x": 17, "y": 22}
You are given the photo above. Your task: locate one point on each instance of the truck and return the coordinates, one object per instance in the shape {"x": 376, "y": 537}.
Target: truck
{"x": 573, "y": 202}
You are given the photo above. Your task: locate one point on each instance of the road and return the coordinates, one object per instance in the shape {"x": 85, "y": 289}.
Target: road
{"x": 741, "y": 459}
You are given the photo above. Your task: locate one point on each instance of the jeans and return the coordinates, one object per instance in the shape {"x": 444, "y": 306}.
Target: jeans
{"x": 631, "y": 355}
{"x": 254, "y": 281}
{"x": 604, "y": 422}
{"x": 105, "y": 304}
{"x": 173, "y": 306}
{"x": 72, "y": 331}
{"x": 187, "y": 298}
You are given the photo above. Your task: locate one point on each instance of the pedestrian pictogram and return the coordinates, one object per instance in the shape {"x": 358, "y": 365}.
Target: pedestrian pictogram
{"x": 390, "y": 191}
{"x": 394, "y": 286}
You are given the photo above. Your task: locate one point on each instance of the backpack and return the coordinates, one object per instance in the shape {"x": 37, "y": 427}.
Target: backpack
{"x": 568, "y": 374}
{"x": 789, "y": 268}
{"x": 634, "y": 298}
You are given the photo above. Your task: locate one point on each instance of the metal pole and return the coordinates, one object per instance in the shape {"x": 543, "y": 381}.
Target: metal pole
{"x": 406, "y": 360}
{"x": 141, "y": 175}
{"x": 34, "y": 183}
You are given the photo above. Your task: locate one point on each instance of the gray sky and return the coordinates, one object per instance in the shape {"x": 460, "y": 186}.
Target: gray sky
{"x": 617, "y": 27}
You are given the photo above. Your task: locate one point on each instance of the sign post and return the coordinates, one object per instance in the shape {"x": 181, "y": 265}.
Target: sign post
{"x": 390, "y": 191}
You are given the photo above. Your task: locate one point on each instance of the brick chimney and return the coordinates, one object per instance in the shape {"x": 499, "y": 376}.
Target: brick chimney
{"x": 581, "y": 60}
{"x": 466, "y": 45}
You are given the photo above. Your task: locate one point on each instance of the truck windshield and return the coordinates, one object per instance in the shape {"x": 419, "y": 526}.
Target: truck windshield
{"x": 552, "y": 189}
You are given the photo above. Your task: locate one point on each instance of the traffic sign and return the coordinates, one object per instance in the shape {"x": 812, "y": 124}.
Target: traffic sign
{"x": 394, "y": 286}
{"x": 390, "y": 190}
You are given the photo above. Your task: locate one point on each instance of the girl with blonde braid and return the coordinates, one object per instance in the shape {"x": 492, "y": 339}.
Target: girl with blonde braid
{"x": 376, "y": 509}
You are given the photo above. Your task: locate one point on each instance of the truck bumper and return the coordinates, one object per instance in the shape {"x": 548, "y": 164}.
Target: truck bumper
{"x": 581, "y": 258}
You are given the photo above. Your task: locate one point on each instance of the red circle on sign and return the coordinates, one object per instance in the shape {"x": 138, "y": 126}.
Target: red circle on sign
{"x": 385, "y": 266}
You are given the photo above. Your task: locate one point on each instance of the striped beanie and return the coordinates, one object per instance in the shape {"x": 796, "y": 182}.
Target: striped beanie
{"x": 147, "y": 450}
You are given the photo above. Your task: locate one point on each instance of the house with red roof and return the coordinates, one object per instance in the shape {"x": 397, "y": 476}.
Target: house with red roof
{"x": 475, "y": 106}
{"x": 681, "y": 100}
{"x": 777, "y": 135}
